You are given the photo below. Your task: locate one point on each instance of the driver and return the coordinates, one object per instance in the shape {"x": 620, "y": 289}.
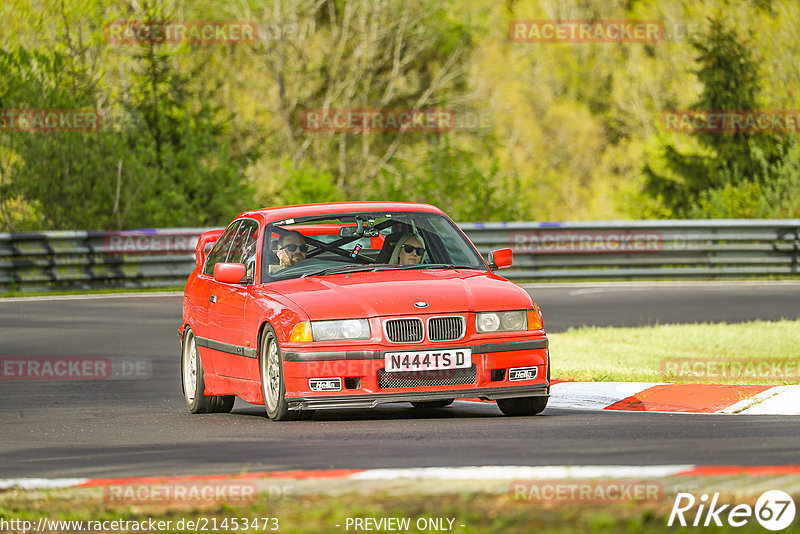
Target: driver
{"x": 292, "y": 249}
{"x": 410, "y": 250}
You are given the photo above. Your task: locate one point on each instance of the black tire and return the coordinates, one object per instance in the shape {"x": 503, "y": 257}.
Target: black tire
{"x": 194, "y": 384}
{"x": 273, "y": 387}
{"x": 522, "y": 405}
{"x": 426, "y": 405}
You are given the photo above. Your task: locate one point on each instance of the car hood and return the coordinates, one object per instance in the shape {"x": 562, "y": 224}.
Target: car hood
{"x": 385, "y": 293}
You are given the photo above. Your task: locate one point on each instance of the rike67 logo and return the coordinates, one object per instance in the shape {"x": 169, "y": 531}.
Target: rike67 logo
{"x": 774, "y": 510}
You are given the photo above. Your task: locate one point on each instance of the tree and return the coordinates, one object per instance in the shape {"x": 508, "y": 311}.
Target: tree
{"x": 448, "y": 177}
{"x": 730, "y": 167}
{"x": 60, "y": 174}
{"x": 181, "y": 141}
{"x": 162, "y": 157}
{"x": 356, "y": 55}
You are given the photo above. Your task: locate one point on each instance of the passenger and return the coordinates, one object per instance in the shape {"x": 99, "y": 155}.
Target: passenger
{"x": 292, "y": 249}
{"x": 410, "y": 250}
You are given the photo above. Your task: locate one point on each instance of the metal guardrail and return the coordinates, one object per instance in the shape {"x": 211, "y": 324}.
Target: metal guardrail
{"x": 577, "y": 250}
{"x": 645, "y": 249}
{"x": 97, "y": 260}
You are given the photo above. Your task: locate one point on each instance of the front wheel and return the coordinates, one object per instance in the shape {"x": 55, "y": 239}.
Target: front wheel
{"x": 273, "y": 387}
{"x": 194, "y": 383}
{"x": 522, "y": 405}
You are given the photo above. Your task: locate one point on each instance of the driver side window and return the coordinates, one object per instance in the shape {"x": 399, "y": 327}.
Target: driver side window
{"x": 243, "y": 249}
{"x": 219, "y": 253}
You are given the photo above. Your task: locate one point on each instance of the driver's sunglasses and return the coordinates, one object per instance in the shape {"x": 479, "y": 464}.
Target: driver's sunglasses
{"x": 291, "y": 247}
{"x": 409, "y": 249}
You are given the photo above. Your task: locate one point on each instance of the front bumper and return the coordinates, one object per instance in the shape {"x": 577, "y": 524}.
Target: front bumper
{"x": 371, "y": 401}
{"x": 365, "y": 384}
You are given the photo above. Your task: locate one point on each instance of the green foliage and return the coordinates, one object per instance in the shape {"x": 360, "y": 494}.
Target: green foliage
{"x": 772, "y": 194}
{"x": 181, "y": 138}
{"x": 61, "y": 173}
{"x": 161, "y": 158}
{"x": 303, "y": 184}
{"x": 449, "y": 177}
{"x": 730, "y": 172}
{"x": 192, "y": 134}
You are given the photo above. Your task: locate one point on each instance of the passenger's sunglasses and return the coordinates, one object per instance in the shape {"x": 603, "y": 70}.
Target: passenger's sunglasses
{"x": 409, "y": 249}
{"x": 293, "y": 248}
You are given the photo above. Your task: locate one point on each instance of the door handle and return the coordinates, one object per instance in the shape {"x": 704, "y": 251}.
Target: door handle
{"x": 213, "y": 299}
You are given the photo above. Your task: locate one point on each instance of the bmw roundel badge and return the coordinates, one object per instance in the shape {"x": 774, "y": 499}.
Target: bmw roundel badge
{"x": 421, "y": 304}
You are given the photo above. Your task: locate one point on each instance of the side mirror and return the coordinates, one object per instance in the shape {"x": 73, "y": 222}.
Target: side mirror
{"x": 501, "y": 258}
{"x": 229, "y": 273}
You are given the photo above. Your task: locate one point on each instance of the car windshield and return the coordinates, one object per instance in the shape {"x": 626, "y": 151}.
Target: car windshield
{"x": 364, "y": 241}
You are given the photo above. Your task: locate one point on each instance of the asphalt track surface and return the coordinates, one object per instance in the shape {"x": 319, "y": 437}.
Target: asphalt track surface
{"x": 137, "y": 423}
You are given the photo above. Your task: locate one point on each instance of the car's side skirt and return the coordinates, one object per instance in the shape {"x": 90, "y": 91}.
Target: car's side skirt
{"x": 228, "y": 348}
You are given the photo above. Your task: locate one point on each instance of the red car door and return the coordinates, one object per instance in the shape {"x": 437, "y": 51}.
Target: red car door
{"x": 203, "y": 291}
{"x": 234, "y": 352}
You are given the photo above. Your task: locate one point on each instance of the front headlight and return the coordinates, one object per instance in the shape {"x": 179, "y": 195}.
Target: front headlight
{"x": 339, "y": 330}
{"x": 505, "y": 321}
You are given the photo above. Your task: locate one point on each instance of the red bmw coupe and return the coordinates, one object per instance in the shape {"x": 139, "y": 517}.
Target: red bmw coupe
{"x": 352, "y": 305}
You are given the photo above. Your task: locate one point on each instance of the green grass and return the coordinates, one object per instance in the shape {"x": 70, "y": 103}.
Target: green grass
{"x": 19, "y": 293}
{"x": 758, "y": 352}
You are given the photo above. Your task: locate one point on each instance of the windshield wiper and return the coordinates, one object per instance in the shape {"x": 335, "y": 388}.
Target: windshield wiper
{"x": 435, "y": 266}
{"x": 337, "y": 269}
{"x": 351, "y": 268}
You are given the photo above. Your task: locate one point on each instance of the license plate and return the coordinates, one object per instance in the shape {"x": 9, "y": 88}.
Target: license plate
{"x": 428, "y": 360}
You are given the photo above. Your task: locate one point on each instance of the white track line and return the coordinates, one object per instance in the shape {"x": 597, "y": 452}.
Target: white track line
{"x": 40, "y": 483}
{"x": 593, "y": 395}
{"x": 780, "y": 400}
{"x": 516, "y": 472}
{"x": 503, "y": 472}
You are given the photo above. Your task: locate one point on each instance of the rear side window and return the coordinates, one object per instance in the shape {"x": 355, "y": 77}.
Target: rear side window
{"x": 219, "y": 253}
